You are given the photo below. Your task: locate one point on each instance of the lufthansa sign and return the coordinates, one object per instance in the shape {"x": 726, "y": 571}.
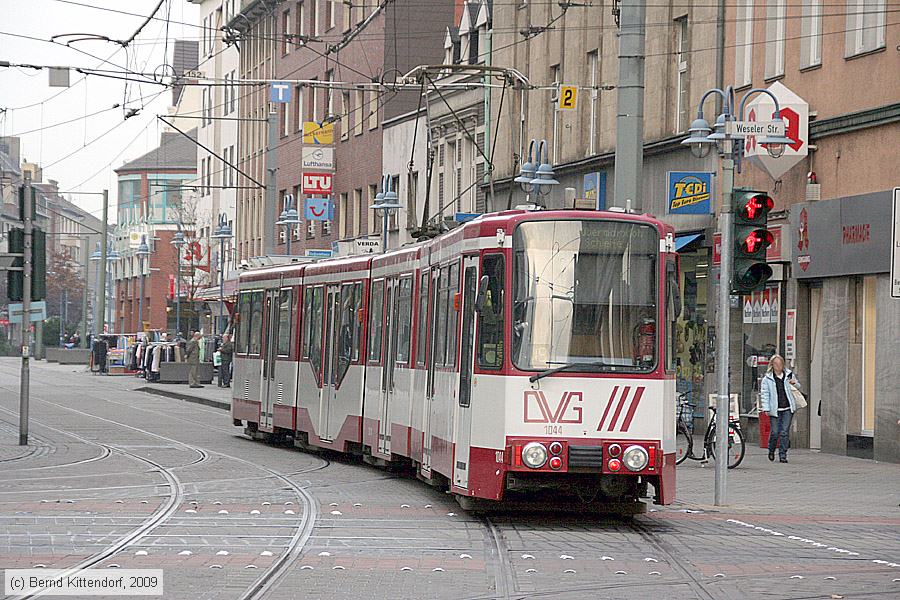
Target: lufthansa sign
{"x": 689, "y": 193}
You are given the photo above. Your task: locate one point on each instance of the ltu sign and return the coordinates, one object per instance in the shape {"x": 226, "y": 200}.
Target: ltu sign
{"x": 317, "y": 183}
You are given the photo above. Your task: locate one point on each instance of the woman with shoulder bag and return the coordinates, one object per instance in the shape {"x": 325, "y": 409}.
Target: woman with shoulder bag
{"x": 779, "y": 402}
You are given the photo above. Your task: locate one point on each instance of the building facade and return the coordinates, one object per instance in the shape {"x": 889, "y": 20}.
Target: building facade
{"x": 218, "y": 61}
{"x": 834, "y": 210}
{"x": 578, "y": 47}
{"x": 155, "y": 200}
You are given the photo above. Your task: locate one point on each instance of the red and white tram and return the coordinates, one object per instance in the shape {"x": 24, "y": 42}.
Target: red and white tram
{"x": 521, "y": 353}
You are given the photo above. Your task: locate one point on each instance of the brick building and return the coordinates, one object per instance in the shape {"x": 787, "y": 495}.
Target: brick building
{"x": 152, "y": 203}
{"x": 313, "y": 41}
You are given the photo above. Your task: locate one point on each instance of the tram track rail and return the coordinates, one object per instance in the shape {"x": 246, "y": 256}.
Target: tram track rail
{"x": 269, "y": 579}
{"x": 505, "y": 584}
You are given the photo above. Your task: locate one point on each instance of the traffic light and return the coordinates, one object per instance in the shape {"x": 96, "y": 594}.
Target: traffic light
{"x": 750, "y": 272}
{"x": 15, "y": 279}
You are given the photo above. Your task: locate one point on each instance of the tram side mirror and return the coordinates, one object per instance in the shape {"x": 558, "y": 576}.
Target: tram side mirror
{"x": 674, "y": 293}
{"x": 482, "y": 293}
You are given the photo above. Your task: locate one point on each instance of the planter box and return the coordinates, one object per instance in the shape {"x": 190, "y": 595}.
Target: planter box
{"x": 178, "y": 372}
{"x": 64, "y": 356}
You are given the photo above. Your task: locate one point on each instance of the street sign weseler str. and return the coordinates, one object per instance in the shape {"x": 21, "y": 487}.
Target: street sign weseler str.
{"x": 742, "y": 129}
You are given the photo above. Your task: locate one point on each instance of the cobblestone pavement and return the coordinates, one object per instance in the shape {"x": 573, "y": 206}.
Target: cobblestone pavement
{"x": 117, "y": 476}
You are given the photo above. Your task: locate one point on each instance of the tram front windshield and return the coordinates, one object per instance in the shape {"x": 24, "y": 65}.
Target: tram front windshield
{"x": 585, "y": 294}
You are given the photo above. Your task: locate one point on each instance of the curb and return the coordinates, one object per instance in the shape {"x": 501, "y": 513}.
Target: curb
{"x": 186, "y": 397}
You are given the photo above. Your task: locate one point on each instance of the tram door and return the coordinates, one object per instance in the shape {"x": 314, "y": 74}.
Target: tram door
{"x": 330, "y": 364}
{"x": 388, "y": 364}
{"x": 268, "y": 354}
{"x": 429, "y": 368}
{"x": 466, "y": 365}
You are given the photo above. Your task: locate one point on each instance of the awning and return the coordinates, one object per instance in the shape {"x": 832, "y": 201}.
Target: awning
{"x": 683, "y": 240}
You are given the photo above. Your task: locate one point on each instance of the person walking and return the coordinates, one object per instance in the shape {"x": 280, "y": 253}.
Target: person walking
{"x": 778, "y": 402}
{"x": 192, "y": 355}
{"x": 226, "y": 353}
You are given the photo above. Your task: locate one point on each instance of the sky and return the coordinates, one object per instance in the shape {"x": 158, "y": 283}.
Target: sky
{"x": 74, "y": 153}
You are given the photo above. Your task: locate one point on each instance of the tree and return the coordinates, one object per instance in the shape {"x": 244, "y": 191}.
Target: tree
{"x": 65, "y": 288}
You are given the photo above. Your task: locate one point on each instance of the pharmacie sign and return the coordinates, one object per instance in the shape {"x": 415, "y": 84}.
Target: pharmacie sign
{"x": 689, "y": 193}
{"x": 846, "y": 236}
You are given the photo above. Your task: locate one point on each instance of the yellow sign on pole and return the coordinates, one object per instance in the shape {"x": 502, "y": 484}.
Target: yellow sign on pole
{"x": 568, "y": 97}
{"x": 321, "y": 134}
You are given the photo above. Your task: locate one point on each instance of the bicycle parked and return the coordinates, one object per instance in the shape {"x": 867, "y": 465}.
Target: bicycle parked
{"x": 684, "y": 439}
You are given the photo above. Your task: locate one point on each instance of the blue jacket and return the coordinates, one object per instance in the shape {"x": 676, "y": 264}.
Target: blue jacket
{"x": 769, "y": 393}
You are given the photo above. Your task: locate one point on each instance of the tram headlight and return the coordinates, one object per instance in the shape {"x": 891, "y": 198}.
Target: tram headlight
{"x": 534, "y": 455}
{"x": 635, "y": 458}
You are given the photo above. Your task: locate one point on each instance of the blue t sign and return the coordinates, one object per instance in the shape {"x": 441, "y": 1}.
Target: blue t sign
{"x": 280, "y": 92}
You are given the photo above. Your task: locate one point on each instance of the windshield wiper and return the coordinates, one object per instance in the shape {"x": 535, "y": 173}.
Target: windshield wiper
{"x": 566, "y": 367}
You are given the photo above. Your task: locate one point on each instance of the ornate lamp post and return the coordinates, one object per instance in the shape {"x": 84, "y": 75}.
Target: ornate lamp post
{"x": 142, "y": 252}
{"x": 385, "y": 201}
{"x": 223, "y": 232}
{"x": 288, "y": 218}
{"x": 179, "y": 242}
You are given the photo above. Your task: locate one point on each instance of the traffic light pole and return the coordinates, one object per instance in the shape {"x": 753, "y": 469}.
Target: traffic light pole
{"x": 723, "y": 320}
{"x": 24, "y": 381}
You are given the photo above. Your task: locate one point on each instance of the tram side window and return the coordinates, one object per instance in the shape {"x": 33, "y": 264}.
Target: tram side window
{"x": 405, "y": 320}
{"x": 285, "y": 321}
{"x": 453, "y": 316}
{"x": 376, "y": 320}
{"x": 345, "y": 335}
{"x": 256, "y": 310}
{"x": 307, "y": 322}
{"x": 443, "y": 291}
{"x": 490, "y": 319}
{"x": 356, "y": 324}
{"x": 421, "y": 327}
{"x": 315, "y": 333}
{"x": 243, "y": 341}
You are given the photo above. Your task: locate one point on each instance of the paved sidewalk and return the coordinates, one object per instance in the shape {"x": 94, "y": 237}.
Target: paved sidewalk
{"x": 210, "y": 395}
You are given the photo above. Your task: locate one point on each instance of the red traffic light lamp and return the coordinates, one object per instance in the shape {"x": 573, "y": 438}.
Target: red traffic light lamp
{"x": 751, "y": 240}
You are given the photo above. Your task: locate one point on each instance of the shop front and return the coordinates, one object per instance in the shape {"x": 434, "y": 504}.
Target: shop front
{"x": 841, "y": 259}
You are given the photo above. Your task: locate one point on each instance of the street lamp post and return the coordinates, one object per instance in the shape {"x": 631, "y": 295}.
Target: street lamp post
{"x": 97, "y": 257}
{"x": 288, "y": 218}
{"x": 536, "y": 173}
{"x": 179, "y": 242}
{"x": 701, "y": 141}
{"x": 223, "y": 232}
{"x": 385, "y": 201}
{"x": 142, "y": 252}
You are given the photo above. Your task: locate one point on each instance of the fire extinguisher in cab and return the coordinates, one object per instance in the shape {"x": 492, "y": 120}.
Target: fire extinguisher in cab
{"x": 646, "y": 338}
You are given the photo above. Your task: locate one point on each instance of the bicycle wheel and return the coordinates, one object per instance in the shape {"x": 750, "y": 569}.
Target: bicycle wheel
{"x": 736, "y": 446}
{"x": 684, "y": 444}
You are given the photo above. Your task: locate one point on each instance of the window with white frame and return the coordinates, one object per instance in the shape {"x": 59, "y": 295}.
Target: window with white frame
{"x": 373, "y": 109}
{"x": 811, "y": 34}
{"x": 300, "y": 16}
{"x": 358, "y": 112}
{"x": 204, "y": 100}
{"x": 316, "y": 16}
{"x": 865, "y": 26}
{"x": 345, "y": 115}
{"x": 555, "y": 76}
{"x": 774, "y": 38}
{"x": 329, "y": 94}
{"x": 286, "y": 32}
{"x": 332, "y": 13}
{"x": 682, "y": 85}
{"x": 314, "y": 103}
{"x": 593, "y": 65}
{"x": 298, "y": 107}
{"x": 743, "y": 43}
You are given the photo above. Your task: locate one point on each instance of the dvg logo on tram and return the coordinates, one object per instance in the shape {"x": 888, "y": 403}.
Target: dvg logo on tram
{"x": 537, "y": 408}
